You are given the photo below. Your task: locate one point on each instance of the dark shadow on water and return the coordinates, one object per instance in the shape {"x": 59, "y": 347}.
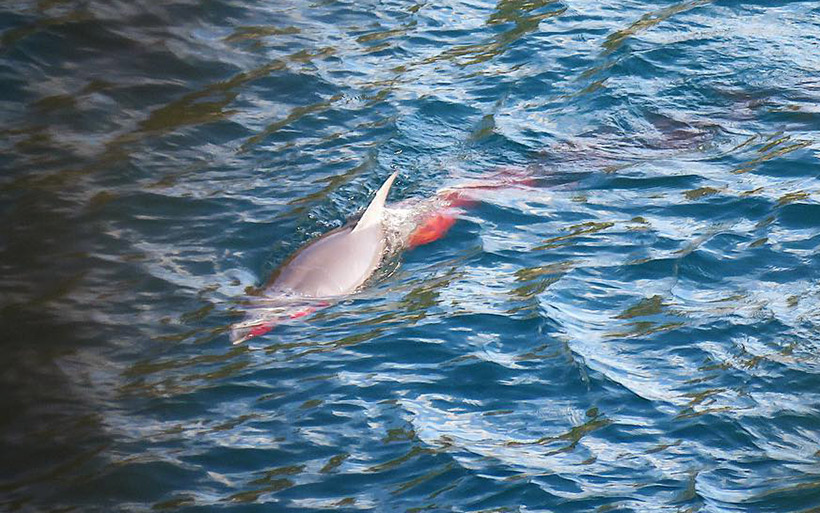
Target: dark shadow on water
{"x": 51, "y": 435}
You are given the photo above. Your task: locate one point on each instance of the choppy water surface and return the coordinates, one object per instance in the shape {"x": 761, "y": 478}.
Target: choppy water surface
{"x": 636, "y": 331}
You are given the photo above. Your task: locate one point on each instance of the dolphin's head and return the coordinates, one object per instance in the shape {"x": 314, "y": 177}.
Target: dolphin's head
{"x": 263, "y": 317}
{"x": 247, "y": 330}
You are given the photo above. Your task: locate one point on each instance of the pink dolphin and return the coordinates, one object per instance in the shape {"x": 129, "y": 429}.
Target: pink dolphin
{"x": 341, "y": 261}
{"x": 333, "y": 265}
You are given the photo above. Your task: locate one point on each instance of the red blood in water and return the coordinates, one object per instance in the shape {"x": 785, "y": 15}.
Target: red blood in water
{"x": 433, "y": 229}
{"x": 459, "y": 199}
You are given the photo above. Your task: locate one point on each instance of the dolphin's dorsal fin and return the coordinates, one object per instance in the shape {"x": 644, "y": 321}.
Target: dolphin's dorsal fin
{"x": 373, "y": 214}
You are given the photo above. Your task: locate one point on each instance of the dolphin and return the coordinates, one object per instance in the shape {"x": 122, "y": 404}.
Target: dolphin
{"x": 335, "y": 264}
{"x": 339, "y": 262}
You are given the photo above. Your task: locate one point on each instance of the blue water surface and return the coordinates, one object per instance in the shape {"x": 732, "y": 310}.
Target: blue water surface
{"x": 637, "y": 329}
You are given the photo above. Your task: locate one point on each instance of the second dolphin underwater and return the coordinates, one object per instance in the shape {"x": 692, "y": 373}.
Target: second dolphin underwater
{"x": 339, "y": 262}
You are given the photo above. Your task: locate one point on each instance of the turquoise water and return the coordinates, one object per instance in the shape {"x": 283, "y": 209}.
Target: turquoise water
{"x": 637, "y": 330}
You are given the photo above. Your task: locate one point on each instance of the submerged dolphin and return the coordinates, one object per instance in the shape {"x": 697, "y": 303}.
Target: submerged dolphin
{"x": 334, "y": 265}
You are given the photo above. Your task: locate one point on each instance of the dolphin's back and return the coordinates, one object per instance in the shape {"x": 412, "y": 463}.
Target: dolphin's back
{"x": 333, "y": 265}
{"x": 340, "y": 261}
